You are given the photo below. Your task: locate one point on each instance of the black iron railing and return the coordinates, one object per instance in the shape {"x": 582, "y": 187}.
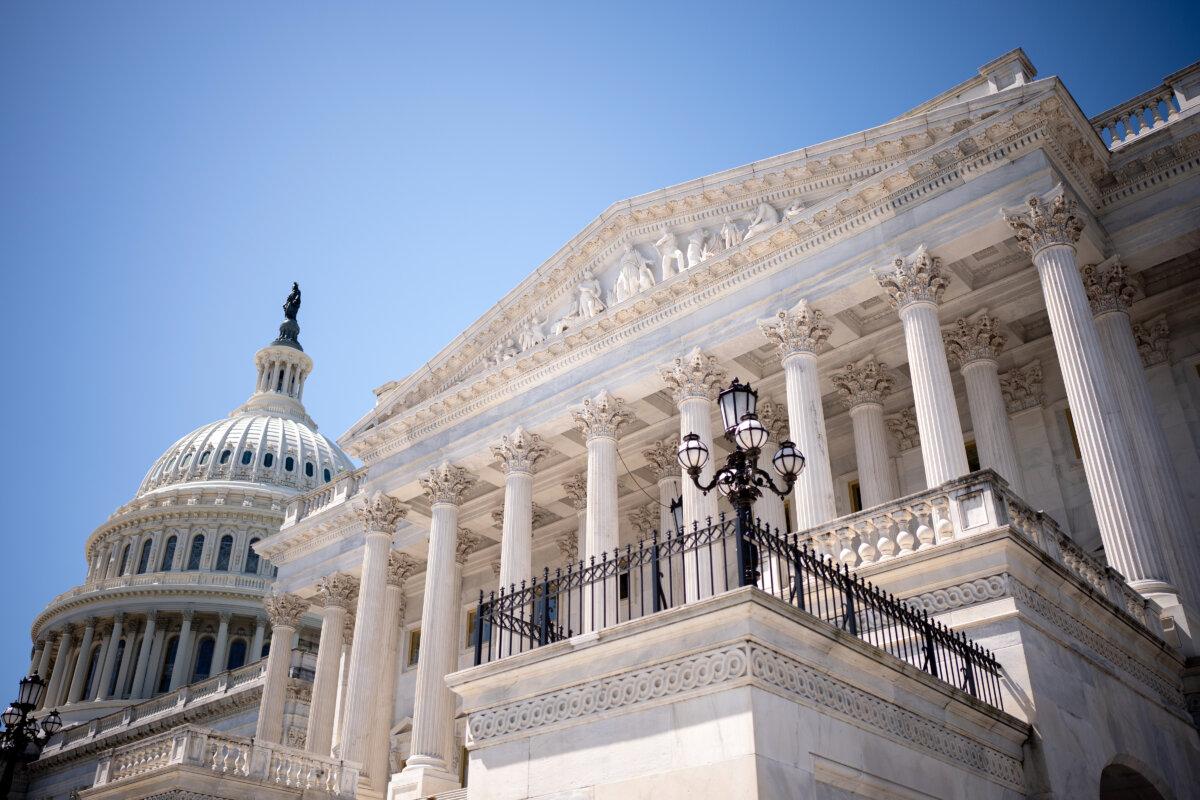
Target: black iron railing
{"x": 663, "y": 572}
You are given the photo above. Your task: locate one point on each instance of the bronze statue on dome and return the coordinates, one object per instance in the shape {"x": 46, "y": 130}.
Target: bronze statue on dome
{"x": 289, "y": 330}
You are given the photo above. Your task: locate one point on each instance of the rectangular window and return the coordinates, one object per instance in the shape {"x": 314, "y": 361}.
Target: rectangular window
{"x": 471, "y": 615}
{"x": 414, "y": 646}
{"x": 972, "y": 455}
{"x": 1071, "y": 428}
{"x": 623, "y": 586}
{"x": 855, "y": 496}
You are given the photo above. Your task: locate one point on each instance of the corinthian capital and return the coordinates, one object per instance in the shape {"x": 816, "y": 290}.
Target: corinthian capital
{"x": 916, "y": 279}
{"x": 1022, "y": 387}
{"x": 644, "y": 518}
{"x": 903, "y": 427}
{"x": 1109, "y": 287}
{"x": 869, "y": 382}
{"x": 568, "y": 545}
{"x": 382, "y": 512}
{"x": 800, "y": 330}
{"x": 285, "y": 610}
{"x": 1153, "y": 341}
{"x": 975, "y": 339}
{"x": 400, "y": 567}
{"x": 446, "y": 483}
{"x": 663, "y": 459}
{"x": 338, "y": 590}
{"x": 773, "y": 416}
{"x": 695, "y": 375}
{"x": 519, "y": 451}
{"x": 1045, "y": 221}
{"x": 575, "y": 488}
{"x": 601, "y": 416}
{"x": 465, "y": 544}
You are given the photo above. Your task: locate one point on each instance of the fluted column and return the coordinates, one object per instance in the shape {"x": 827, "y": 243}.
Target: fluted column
{"x": 337, "y": 592}
{"x": 139, "y": 691}
{"x": 400, "y": 567}
{"x": 379, "y": 515}
{"x": 768, "y": 508}
{"x": 256, "y": 643}
{"x": 863, "y": 389}
{"x": 55, "y": 691}
{"x": 91, "y": 687}
{"x": 43, "y": 662}
{"x": 663, "y": 460}
{"x": 518, "y": 454}
{"x": 220, "y": 655}
{"x": 81, "y": 662}
{"x": 915, "y": 286}
{"x": 1110, "y": 292}
{"x": 183, "y": 652}
{"x": 1048, "y": 228}
{"x": 974, "y": 344}
{"x": 799, "y": 333}
{"x": 339, "y": 713}
{"x": 285, "y": 611}
{"x": 695, "y": 380}
{"x": 110, "y": 658}
{"x": 433, "y": 714}
{"x": 599, "y": 419}
{"x": 126, "y": 663}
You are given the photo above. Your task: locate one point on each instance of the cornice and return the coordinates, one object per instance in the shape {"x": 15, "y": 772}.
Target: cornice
{"x": 1008, "y": 134}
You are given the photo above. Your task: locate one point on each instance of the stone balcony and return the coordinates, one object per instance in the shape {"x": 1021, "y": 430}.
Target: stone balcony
{"x": 201, "y": 762}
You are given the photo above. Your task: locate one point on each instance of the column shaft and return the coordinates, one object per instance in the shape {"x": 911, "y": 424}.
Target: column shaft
{"x": 183, "y": 649}
{"x": 110, "y": 659}
{"x": 43, "y": 663}
{"x": 876, "y": 480}
{"x": 274, "y": 693}
{"x": 81, "y": 663}
{"x": 378, "y": 767}
{"x": 365, "y": 655}
{"x": 1117, "y": 496}
{"x": 59, "y": 671}
{"x": 220, "y": 655}
{"x": 516, "y": 543}
{"x": 125, "y": 665}
{"x": 256, "y": 643}
{"x": 989, "y": 419}
{"x": 942, "y": 447}
{"x": 143, "y": 661}
{"x": 695, "y": 416}
{"x": 319, "y": 738}
{"x": 806, "y": 427}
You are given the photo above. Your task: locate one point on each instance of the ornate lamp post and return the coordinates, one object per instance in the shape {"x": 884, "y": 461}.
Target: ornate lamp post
{"x": 24, "y": 737}
{"x": 741, "y": 479}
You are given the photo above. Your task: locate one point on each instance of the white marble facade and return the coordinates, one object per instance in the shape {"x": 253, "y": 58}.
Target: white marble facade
{"x": 955, "y": 315}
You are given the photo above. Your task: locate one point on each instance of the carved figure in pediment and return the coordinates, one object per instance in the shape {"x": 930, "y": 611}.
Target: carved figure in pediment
{"x": 731, "y": 234}
{"x": 627, "y": 277}
{"x": 590, "y": 303}
{"x": 506, "y": 350}
{"x": 794, "y": 208}
{"x": 712, "y": 246}
{"x": 532, "y": 334}
{"x": 672, "y": 256}
{"x": 765, "y": 216}
{"x": 695, "y": 248}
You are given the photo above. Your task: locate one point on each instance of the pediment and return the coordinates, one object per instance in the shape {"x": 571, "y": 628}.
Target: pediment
{"x": 809, "y": 195}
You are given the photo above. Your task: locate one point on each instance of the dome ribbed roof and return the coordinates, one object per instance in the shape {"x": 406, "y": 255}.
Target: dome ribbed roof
{"x": 278, "y": 450}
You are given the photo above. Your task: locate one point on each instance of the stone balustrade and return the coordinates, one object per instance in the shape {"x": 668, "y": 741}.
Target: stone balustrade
{"x": 261, "y": 583}
{"x": 181, "y": 700}
{"x": 1148, "y": 111}
{"x": 266, "y": 763}
{"x": 339, "y": 491}
{"x": 961, "y": 508}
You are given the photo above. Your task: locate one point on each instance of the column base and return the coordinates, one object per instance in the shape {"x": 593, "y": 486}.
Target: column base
{"x": 1181, "y": 623}
{"x": 419, "y": 781}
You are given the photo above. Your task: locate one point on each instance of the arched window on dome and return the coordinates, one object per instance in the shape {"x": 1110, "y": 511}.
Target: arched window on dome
{"x": 224, "y": 551}
{"x": 247, "y": 456}
{"x": 237, "y": 654}
{"x": 225, "y": 454}
{"x": 309, "y": 469}
{"x": 204, "y": 457}
{"x": 168, "y": 555}
{"x": 124, "y": 561}
{"x": 196, "y": 552}
{"x": 328, "y": 475}
{"x": 187, "y": 459}
{"x": 289, "y": 463}
{"x": 268, "y": 460}
{"x": 144, "y": 558}
{"x": 251, "y": 558}
{"x": 164, "y": 683}
{"x": 204, "y": 659}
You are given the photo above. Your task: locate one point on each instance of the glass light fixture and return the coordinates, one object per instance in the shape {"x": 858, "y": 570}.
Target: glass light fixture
{"x": 677, "y": 512}
{"x": 750, "y": 434}
{"x": 30, "y": 691}
{"x": 10, "y": 717}
{"x": 736, "y": 402}
{"x": 52, "y": 723}
{"x": 788, "y": 461}
{"x": 692, "y": 453}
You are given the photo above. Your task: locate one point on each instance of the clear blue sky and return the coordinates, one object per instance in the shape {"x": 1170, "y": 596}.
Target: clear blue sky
{"x": 167, "y": 169}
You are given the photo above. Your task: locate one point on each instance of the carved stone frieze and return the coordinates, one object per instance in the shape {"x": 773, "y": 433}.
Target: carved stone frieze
{"x": 974, "y": 339}
{"x": 1046, "y": 221}
{"x": 446, "y": 483}
{"x": 915, "y": 279}
{"x": 801, "y": 329}
{"x": 601, "y": 416}
{"x": 869, "y": 382}
{"x": 696, "y": 374}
